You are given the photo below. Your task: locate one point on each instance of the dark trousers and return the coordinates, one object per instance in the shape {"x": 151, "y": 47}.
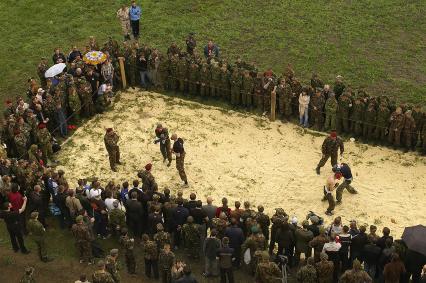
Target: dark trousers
{"x": 17, "y": 240}
{"x": 326, "y": 157}
{"x": 151, "y": 265}
{"x": 135, "y": 28}
{"x": 226, "y": 272}
{"x": 135, "y": 227}
{"x": 237, "y": 256}
{"x": 166, "y": 276}
{"x": 331, "y": 203}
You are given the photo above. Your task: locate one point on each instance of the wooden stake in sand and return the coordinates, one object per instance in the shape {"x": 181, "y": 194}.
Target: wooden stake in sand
{"x": 123, "y": 72}
{"x": 273, "y": 102}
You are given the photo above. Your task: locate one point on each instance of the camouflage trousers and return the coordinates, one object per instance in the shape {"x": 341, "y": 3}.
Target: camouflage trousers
{"x": 317, "y": 120}
{"x": 380, "y": 133}
{"x": 345, "y": 185}
{"x": 356, "y": 128}
{"x": 47, "y": 151}
{"x": 343, "y": 122}
{"x": 114, "y": 157}
{"x": 368, "y": 131}
{"x": 330, "y": 121}
{"x": 166, "y": 150}
{"x": 125, "y": 27}
{"x": 246, "y": 99}
{"x": 284, "y": 107}
{"x": 204, "y": 90}
{"x": 166, "y": 276}
{"x": 258, "y": 101}
{"x": 235, "y": 96}
{"x": 41, "y": 248}
{"x": 267, "y": 102}
{"x": 325, "y": 157}
{"x": 193, "y": 88}
{"x": 180, "y": 167}
{"x": 130, "y": 262}
{"x": 84, "y": 250}
{"x": 394, "y": 137}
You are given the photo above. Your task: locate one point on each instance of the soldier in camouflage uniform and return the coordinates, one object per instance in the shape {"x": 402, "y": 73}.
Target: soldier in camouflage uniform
{"x": 409, "y": 131}
{"x": 41, "y": 70}
{"x": 339, "y": 87}
{"x": 101, "y": 275}
{"x": 419, "y": 118}
{"x": 191, "y": 237}
{"x": 397, "y": 121}
{"x": 268, "y": 86}
{"x": 148, "y": 180}
{"x": 37, "y": 232}
{"x": 164, "y": 73}
{"x": 150, "y": 256}
{"x": 166, "y": 260}
{"x": 247, "y": 90}
{"x": 111, "y": 140}
{"x": 215, "y": 82}
{"x": 258, "y": 92}
{"x": 182, "y": 75}
{"x": 28, "y": 276}
{"x": 194, "y": 79}
{"x": 325, "y": 269}
{"x": 173, "y": 81}
{"x": 308, "y": 273}
{"x": 423, "y": 135}
{"x": 256, "y": 243}
{"x": 370, "y": 118}
{"x": 266, "y": 271}
{"x": 85, "y": 93}
{"x": 263, "y": 221}
{"x": 235, "y": 83}
{"x": 382, "y": 122}
{"x": 20, "y": 144}
{"x": 356, "y": 274}
{"x": 357, "y": 116}
{"x": 296, "y": 88}
{"x": 74, "y": 103}
{"x": 83, "y": 239}
{"x": 44, "y": 140}
{"x": 317, "y": 105}
{"x": 117, "y": 219}
{"x": 204, "y": 81}
{"x": 317, "y": 243}
{"x": 161, "y": 237}
{"x": 330, "y": 112}
{"x": 316, "y": 81}
{"x": 225, "y": 78}
{"x": 329, "y": 149}
{"x": 112, "y": 266}
{"x": 128, "y": 244}
{"x": 344, "y": 111}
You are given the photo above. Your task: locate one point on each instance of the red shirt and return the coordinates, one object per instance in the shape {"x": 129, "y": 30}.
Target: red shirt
{"x": 16, "y": 200}
{"x": 221, "y": 209}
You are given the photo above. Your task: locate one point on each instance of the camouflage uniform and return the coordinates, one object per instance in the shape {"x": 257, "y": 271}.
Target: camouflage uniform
{"x": 338, "y": 88}
{"x": 370, "y": 120}
{"x": 151, "y": 258}
{"x": 343, "y": 112}
{"x": 357, "y": 116}
{"x": 224, "y": 83}
{"x": 41, "y": 70}
{"x": 164, "y": 73}
{"x": 28, "y": 276}
{"x": 37, "y": 232}
{"x": 258, "y": 93}
{"x": 21, "y": 145}
{"x": 112, "y": 148}
{"x": 204, "y": 81}
{"x": 166, "y": 261}
{"x": 235, "y": 83}
{"x": 194, "y": 79}
{"x": 84, "y": 91}
{"x": 173, "y": 81}
{"x": 355, "y": 276}
{"x": 317, "y": 243}
{"x": 382, "y": 123}
{"x": 117, "y": 220}
{"x": 267, "y": 94}
{"x": 215, "y": 80}
{"x": 83, "y": 239}
{"x": 161, "y": 238}
{"x": 264, "y": 223}
{"x": 330, "y": 113}
{"x": 192, "y": 239}
{"x": 165, "y": 145}
{"x": 317, "y": 106}
{"x": 395, "y": 128}
{"x": 148, "y": 180}
{"x": 112, "y": 266}
{"x": 256, "y": 243}
{"x": 128, "y": 244}
{"x": 247, "y": 90}
{"x": 307, "y": 274}
{"x": 329, "y": 149}
{"x": 74, "y": 103}
{"x": 182, "y": 74}
{"x": 325, "y": 269}
{"x": 419, "y": 118}
{"x": 423, "y": 135}
{"x": 268, "y": 272}
{"x": 102, "y": 276}
{"x": 409, "y": 132}
{"x": 124, "y": 17}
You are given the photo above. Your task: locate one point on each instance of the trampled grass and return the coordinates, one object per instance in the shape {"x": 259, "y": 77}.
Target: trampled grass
{"x": 379, "y": 45}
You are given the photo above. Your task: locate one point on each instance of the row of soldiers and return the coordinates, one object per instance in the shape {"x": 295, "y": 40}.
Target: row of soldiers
{"x": 339, "y": 107}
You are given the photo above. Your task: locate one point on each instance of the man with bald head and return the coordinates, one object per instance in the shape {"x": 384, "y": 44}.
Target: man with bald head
{"x": 210, "y": 210}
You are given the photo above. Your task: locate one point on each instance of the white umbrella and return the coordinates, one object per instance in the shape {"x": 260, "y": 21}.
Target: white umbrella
{"x": 55, "y": 70}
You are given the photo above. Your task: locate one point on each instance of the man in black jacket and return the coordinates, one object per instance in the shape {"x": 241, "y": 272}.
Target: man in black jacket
{"x": 358, "y": 243}
{"x": 345, "y": 170}
{"x": 225, "y": 261}
{"x": 134, "y": 213}
{"x": 235, "y": 237}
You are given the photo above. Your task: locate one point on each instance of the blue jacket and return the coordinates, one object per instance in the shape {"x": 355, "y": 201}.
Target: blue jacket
{"x": 214, "y": 51}
{"x": 346, "y": 171}
{"x": 135, "y": 13}
{"x": 235, "y": 235}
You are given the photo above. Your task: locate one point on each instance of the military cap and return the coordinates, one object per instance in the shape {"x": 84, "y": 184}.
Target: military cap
{"x": 323, "y": 256}
{"x": 113, "y": 252}
{"x": 101, "y": 263}
{"x": 160, "y": 227}
{"x": 79, "y": 219}
{"x": 34, "y": 215}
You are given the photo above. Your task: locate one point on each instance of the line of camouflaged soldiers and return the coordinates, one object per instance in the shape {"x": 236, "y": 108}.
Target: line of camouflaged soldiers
{"x": 374, "y": 119}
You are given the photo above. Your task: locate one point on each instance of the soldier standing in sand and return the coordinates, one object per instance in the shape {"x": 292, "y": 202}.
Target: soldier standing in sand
{"x": 111, "y": 139}
{"x": 179, "y": 151}
{"x": 329, "y": 149}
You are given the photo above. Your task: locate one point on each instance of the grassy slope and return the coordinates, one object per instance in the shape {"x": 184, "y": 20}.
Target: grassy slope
{"x": 375, "y": 44}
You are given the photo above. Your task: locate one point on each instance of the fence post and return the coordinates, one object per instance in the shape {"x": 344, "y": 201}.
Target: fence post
{"x": 122, "y": 72}
{"x": 273, "y": 104}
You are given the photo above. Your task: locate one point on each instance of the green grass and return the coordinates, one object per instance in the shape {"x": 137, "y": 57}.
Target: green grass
{"x": 377, "y": 44}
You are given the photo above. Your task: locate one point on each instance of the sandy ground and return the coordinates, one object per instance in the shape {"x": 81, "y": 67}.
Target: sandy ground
{"x": 245, "y": 157}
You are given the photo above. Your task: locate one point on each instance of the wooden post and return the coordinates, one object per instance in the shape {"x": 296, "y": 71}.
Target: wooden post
{"x": 273, "y": 104}
{"x": 122, "y": 72}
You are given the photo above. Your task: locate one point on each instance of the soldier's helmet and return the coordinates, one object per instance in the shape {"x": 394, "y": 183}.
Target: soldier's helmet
{"x": 160, "y": 227}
